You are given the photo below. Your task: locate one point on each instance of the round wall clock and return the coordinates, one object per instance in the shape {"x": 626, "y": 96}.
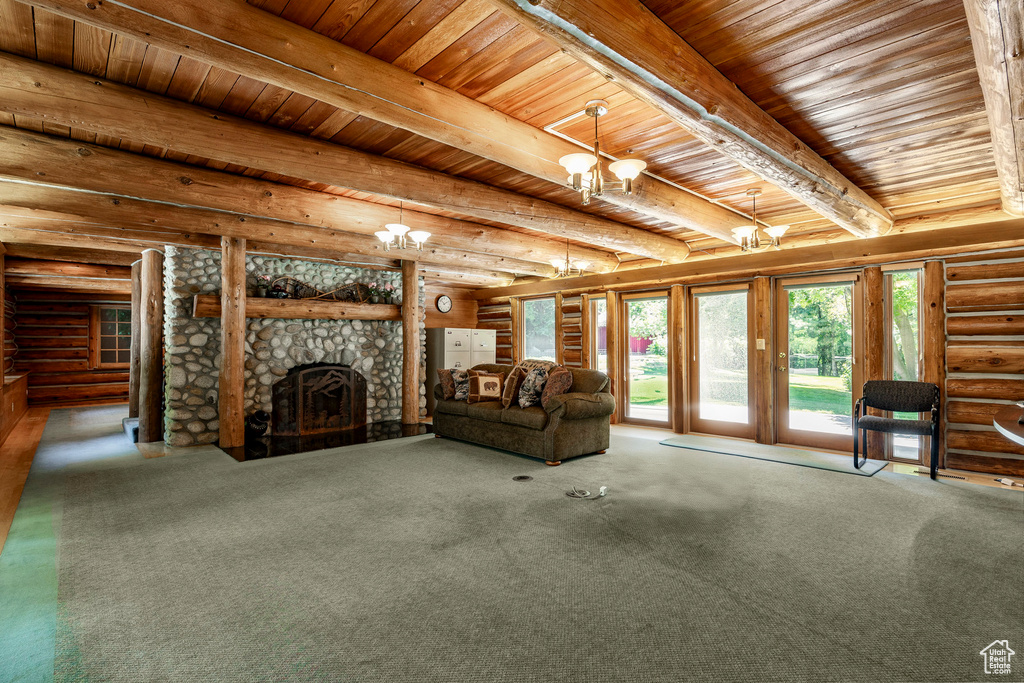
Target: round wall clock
{"x": 444, "y": 303}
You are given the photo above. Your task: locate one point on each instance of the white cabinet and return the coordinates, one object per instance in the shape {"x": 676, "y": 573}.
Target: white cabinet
{"x": 455, "y": 347}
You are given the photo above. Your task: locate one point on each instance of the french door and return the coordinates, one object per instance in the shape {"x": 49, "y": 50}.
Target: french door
{"x": 646, "y": 399}
{"x": 720, "y": 346}
{"x": 817, "y": 364}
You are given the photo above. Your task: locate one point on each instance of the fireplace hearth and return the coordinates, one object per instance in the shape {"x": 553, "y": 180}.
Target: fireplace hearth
{"x": 318, "y": 399}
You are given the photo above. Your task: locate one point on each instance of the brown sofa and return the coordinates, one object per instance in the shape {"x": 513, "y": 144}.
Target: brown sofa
{"x": 573, "y": 424}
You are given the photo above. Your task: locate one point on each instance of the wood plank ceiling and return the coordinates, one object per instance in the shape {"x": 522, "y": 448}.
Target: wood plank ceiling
{"x": 886, "y": 92}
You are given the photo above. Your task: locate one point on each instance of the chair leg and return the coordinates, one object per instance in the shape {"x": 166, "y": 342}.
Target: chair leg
{"x": 856, "y": 439}
{"x": 935, "y": 454}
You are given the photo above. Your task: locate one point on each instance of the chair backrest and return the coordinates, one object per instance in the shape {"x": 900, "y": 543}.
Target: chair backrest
{"x": 903, "y": 397}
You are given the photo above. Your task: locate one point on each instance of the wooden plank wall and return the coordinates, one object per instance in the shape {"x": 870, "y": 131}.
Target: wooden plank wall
{"x": 52, "y": 337}
{"x": 464, "y": 307}
{"x": 572, "y": 331}
{"x": 984, "y": 359}
{"x": 497, "y": 315}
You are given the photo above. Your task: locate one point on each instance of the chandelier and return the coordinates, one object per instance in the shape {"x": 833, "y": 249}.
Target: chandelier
{"x": 747, "y": 235}
{"x": 398, "y": 234}
{"x": 568, "y": 268}
{"x": 584, "y": 169}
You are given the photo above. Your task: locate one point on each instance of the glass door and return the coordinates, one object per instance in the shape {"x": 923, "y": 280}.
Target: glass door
{"x": 816, "y": 370}
{"x": 599, "y": 334}
{"x": 720, "y": 348}
{"x": 903, "y": 315}
{"x": 645, "y": 354}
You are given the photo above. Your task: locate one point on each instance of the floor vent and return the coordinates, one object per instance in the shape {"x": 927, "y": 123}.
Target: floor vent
{"x": 522, "y": 477}
{"x": 940, "y": 474}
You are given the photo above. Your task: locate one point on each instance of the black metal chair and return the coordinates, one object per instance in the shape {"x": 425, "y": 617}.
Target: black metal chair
{"x": 901, "y": 397}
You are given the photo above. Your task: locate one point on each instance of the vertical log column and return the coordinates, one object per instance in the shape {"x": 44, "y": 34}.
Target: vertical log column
{"x": 612, "y": 345}
{"x": 135, "y": 364}
{"x": 874, "y": 344}
{"x": 151, "y": 361}
{"x": 933, "y": 342}
{"x": 231, "y": 393}
{"x": 585, "y": 339}
{"x": 677, "y": 357}
{"x": 764, "y": 362}
{"x": 515, "y": 307}
{"x": 559, "y": 332}
{"x": 410, "y": 344}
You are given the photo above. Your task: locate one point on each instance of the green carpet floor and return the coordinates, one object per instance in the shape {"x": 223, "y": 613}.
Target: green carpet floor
{"x": 834, "y": 462}
{"x": 421, "y": 560}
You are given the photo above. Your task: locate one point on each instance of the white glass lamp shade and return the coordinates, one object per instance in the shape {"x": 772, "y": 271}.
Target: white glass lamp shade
{"x": 419, "y": 236}
{"x": 557, "y": 264}
{"x": 397, "y": 229}
{"x": 776, "y": 231}
{"x": 384, "y": 236}
{"x": 743, "y": 232}
{"x": 627, "y": 169}
{"x": 580, "y": 162}
{"x": 581, "y": 265}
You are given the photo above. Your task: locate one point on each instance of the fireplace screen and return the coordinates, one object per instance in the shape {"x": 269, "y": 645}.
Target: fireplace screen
{"x": 319, "y": 398}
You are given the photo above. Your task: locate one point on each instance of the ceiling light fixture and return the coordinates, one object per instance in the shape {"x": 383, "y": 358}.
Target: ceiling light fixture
{"x": 396, "y": 234}
{"x": 747, "y": 235}
{"x": 585, "y": 175}
{"x": 568, "y": 268}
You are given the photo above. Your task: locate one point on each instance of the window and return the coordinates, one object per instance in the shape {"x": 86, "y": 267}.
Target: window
{"x": 599, "y": 334}
{"x": 110, "y": 337}
{"x": 539, "y": 328}
{"x": 903, "y": 307}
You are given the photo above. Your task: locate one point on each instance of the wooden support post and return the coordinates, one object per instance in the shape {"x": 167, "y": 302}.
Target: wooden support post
{"x": 764, "y": 362}
{"x": 585, "y": 338}
{"x": 612, "y": 345}
{"x": 135, "y": 363}
{"x": 559, "y": 332}
{"x": 151, "y": 357}
{"x": 874, "y": 344}
{"x": 231, "y": 393}
{"x": 933, "y": 340}
{"x": 677, "y": 358}
{"x": 410, "y": 344}
{"x": 515, "y": 307}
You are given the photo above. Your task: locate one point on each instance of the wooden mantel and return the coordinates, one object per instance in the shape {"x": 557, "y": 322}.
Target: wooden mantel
{"x": 208, "y": 306}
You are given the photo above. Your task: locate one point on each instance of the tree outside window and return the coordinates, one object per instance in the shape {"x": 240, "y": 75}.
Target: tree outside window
{"x": 539, "y": 328}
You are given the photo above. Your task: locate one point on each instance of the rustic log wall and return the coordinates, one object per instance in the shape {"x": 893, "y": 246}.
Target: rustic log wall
{"x": 572, "y": 331}
{"x": 464, "y": 307}
{"x": 51, "y": 334}
{"x": 984, "y": 359}
{"x": 497, "y": 315}
{"x": 8, "y": 343}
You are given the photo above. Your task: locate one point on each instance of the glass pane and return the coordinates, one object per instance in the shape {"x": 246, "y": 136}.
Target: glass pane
{"x": 124, "y": 342}
{"x": 599, "y": 320}
{"x": 124, "y": 356}
{"x": 108, "y": 342}
{"x": 108, "y": 328}
{"x": 722, "y": 342}
{"x": 107, "y": 314}
{"x": 647, "y": 358}
{"x": 124, "y": 329}
{"x": 124, "y": 315}
{"x": 904, "y": 338}
{"x": 821, "y": 359}
{"x": 108, "y": 356}
{"x": 539, "y": 329}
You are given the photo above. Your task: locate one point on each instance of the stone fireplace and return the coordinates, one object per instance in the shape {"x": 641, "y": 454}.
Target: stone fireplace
{"x": 318, "y": 399}
{"x": 274, "y": 347}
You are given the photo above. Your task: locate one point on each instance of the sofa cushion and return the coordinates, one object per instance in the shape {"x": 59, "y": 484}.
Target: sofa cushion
{"x": 484, "y": 386}
{"x": 447, "y": 384}
{"x": 559, "y": 382}
{"x": 451, "y": 407}
{"x": 533, "y": 417}
{"x": 532, "y": 388}
{"x": 461, "y": 378}
{"x": 488, "y": 410}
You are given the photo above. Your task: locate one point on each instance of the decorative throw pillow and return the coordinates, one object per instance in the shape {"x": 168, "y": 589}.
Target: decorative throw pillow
{"x": 533, "y": 386}
{"x": 461, "y": 378}
{"x": 514, "y": 382}
{"x": 559, "y": 382}
{"x": 447, "y": 383}
{"x": 484, "y": 386}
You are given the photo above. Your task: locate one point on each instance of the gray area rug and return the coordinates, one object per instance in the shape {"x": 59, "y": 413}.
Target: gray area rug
{"x": 421, "y": 560}
{"x": 833, "y": 462}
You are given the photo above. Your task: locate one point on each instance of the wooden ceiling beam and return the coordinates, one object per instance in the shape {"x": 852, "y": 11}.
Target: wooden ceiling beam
{"x": 997, "y": 36}
{"x": 74, "y": 284}
{"x": 18, "y": 226}
{"x": 171, "y": 220}
{"x": 903, "y": 247}
{"x": 77, "y": 255}
{"x": 628, "y": 44}
{"x": 56, "y": 95}
{"x": 38, "y": 158}
{"x": 23, "y": 266}
{"x": 238, "y": 37}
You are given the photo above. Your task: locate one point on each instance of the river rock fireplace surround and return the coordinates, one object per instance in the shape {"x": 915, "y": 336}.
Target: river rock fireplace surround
{"x": 273, "y": 347}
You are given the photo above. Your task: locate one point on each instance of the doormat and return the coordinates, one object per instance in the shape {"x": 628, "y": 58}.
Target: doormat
{"x": 785, "y": 454}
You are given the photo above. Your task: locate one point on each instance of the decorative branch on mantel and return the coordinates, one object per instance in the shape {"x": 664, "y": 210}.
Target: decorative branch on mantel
{"x": 208, "y": 306}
